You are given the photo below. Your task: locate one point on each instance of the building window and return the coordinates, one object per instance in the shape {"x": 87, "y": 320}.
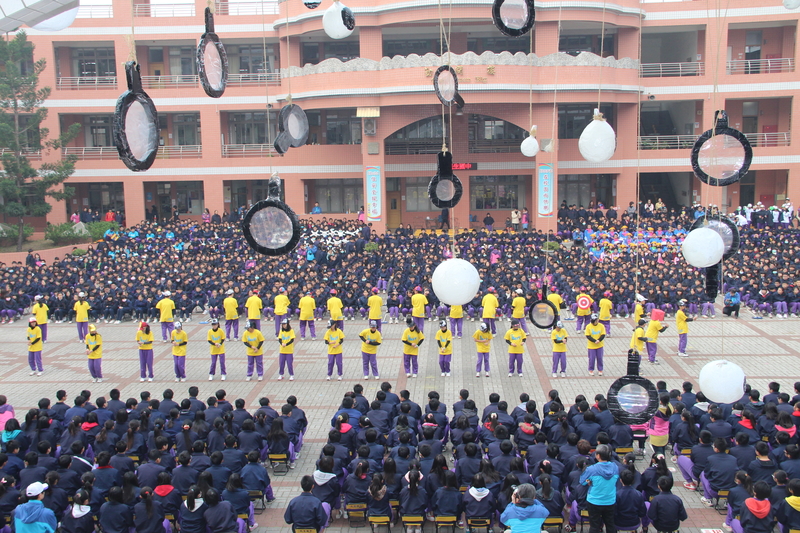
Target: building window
{"x": 251, "y": 128}
{"x": 417, "y": 195}
{"x": 93, "y": 62}
{"x": 415, "y": 46}
{"x": 575, "y": 44}
{"x": 189, "y": 197}
{"x": 339, "y": 196}
{"x": 344, "y": 51}
{"x": 99, "y": 132}
{"x": 498, "y": 44}
{"x": 342, "y": 127}
{"x": 428, "y": 128}
{"x": 182, "y": 60}
{"x": 573, "y": 118}
{"x": 249, "y": 59}
{"x": 392, "y": 184}
{"x": 187, "y": 129}
{"x": 105, "y": 196}
{"x": 496, "y": 192}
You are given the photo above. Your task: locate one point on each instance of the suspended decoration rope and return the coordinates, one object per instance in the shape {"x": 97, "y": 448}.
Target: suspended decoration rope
{"x": 292, "y": 120}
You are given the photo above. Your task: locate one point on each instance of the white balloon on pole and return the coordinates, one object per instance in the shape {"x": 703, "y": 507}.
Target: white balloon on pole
{"x": 455, "y": 281}
{"x": 791, "y": 4}
{"x": 59, "y": 22}
{"x": 598, "y": 140}
{"x": 722, "y": 381}
{"x": 703, "y": 247}
{"x": 530, "y": 146}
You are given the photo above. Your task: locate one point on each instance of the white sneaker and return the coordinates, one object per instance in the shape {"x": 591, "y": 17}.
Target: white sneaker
{"x": 176, "y": 380}
{"x": 151, "y": 379}
{"x": 600, "y": 373}
{"x": 407, "y": 375}
{"x": 413, "y": 375}
{"x": 366, "y": 378}
{"x": 291, "y": 378}
{"x": 260, "y": 378}
{"x": 563, "y": 374}
{"x": 520, "y": 374}
{"x": 510, "y": 374}
{"x": 32, "y": 373}
{"x": 94, "y": 380}
{"x": 251, "y": 377}
{"x": 117, "y": 322}
{"x": 591, "y": 372}
{"x": 340, "y": 378}
{"x": 141, "y": 379}
{"x": 448, "y": 374}
{"x": 99, "y": 380}
{"x": 477, "y": 374}
{"x": 183, "y": 379}
{"x": 442, "y": 374}
{"x": 327, "y": 378}
{"x": 681, "y": 354}
{"x": 223, "y": 377}
{"x": 210, "y": 377}
{"x": 280, "y": 378}
{"x": 555, "y": 375}
{"x": 487, "y": 374}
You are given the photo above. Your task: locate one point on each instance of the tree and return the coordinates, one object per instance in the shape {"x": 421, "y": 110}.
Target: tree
{"x": 23, "y": 188}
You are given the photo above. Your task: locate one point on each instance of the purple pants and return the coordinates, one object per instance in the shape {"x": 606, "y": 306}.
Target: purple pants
{"x": 381, "y": 285}
{"x": 43, "y": 327}
{"x": 278, "y": 320}
{"x": 284, "y": 360}
{"x": 456, "y": 325}
{"x": 444, "y": 362}
{"x": 523, "y": 324}
{"x": 269, "y": 312}
{"x": 394, "y": 312}
{"x": 708, "y": 492}
{"x": 213, "y": 369}
{"x": 166, "y": 330}
{"x": 581, "y": 321}
{"x": 419, "y": 321}
{"x": 685, "y": 465}
{"x": 607, "y": 324}
{"x": 35, "y": 360}
{"x": 408, "y": 362}
{"x": 794, "y": 308}
{"x": 363, "y": 312}
{"x": 311, "y": 326}
{"x": 334, "y": 358}
{"x": 693, "y": 309}
{"x": 682, "y": 338}
{"x": 514, "y": 358}
{"x": 256, "y": 321}
{"x": 179, "y": 363}
{"x": 490, "y": 323}
{"x": 349, "y": 312}
{"x": 340, "y": 324}
{"x": 145, "y": 363}
{"x": 95, "y": 367}
{"x": 370, "y": 360}
{"x": 596, "y": 356}
{"x": 780, "y": 307}
{"x": 483, "y": 357}
{"x": 83, "y": 330}
{"x": 559, "y": 357}
{"x": 232, "y": 324}
{"x": 652, "y": 350}
{"x": 258, "y": 361}
{"x": 708, "y": 309}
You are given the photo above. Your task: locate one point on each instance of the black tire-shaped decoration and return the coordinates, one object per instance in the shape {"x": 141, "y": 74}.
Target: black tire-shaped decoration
{"x": 311, "y": 4}
{"x": 543, "y": 314}
{"x": 137, "y": 146}
{"x": 712, "y": 281}
{"x": 292, "y": 128}
{"x": 444, "y": 173}
{"x": 730, "y": 250}
{"x": 721, "y": 128}
{"x": 497, "y": 18}
{"x": 255, "y": 225}
{"x": 626, "y": 417}
{"x": 443, "y": 92}
{"x": 213, "y": 77}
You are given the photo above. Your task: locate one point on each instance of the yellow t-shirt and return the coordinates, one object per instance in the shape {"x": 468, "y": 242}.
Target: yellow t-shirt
{"x": 253, "y": 339}
{"x": 482, "y": 336}
{"x": 414, "y": 337}
{"x": 680, "y": 321}
{"x": 636, "y": 344}
{"x": 284, "y": 337}
{"x": 281, "y": 304}
{"x": 559, "y": 335}
{"x": 605, "y": 306}
{"x": 307, "y": 305}
{"x": 335, "y": 308}
{"x": 231, "y": 308}
{"x": 217, "y": 337}
{"x": 555, "y": 299}
{"x": 334, "y": 339}
{"x": 588, "y": 310}
{"x": 456, "y": 311}
{"x": 35, "y": 333}
{"x": 369, "y": 336}
{"x": 595, "y": 331}
{"x": 490, "y": 305}
{"x": 40, "y": 312}
{"x": 375, "y": 303}
{"x": 81, "y": 311}
{"x": 179, "y": 336}
{"x": 166, "y": 306}
{"x": 254, "y": 306}
{"x": 443, "y": 337}
{"x": 518, "y": 307}
{"x": 146, "y": 340}
{"x": 91, "y": 342}
{"x": 517, "y": 339}
{"x": 418, "y": 303}
{"x": 653, "y": 330}
{"x": 638, "y": 312}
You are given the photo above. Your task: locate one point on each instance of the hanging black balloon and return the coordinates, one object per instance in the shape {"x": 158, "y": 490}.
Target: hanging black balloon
{"x": 726, "y": 229}
{"x": 513, "y": 17}
{"x": 722, "y": 155}
{"x": 712, "y": 281}
{"x": 633, "y": 399}
{"x": 543, "y": 314}
{"x": 311, "y": 4}
{"x": 445, "y": 83}
{"x": 270, "y": 227}
{"x": 212, "y": 61}
{"x": 136, "y": 123}
{"x": 445, "y": 188}
{"x": 292, "y": 128}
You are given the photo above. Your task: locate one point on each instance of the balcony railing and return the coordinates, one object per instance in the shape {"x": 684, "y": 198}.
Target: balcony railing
{"x": 75, "y": 83}
{"x": 498, "y": 146}
{"x": 769, "y": 139}
{"x": 254, "y": 80}
{"x": 679, "y": 142}
{"x": 672, "y": 70}
{"x": 165, "y": 10}
{"x": 247, "y": 8}
{"x": 761, "y": 66}
{"x": 91, "y": 153}
{"x": 95, "y": 12}
{"x": 166, "y": 82}
{"x": 32, "y": 155}
{"x": 247, "y": 150}
{"x": 433, "y": 146}
{"x": 189, "y": 151}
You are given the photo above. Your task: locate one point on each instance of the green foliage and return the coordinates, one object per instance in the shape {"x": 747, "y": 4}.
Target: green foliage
{"x": 371, "y": 247}
{"x": 79, "y": 252}
{"x": 61, "y": 234}
{"x": 23, "y": 187}
{"x": 12, "y": 234}
{"x": 98, "y": 229}
{"x": 551, "y": 246}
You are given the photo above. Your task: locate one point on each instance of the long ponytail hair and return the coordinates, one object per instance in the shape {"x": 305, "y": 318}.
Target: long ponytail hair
{"x": 146, "y": 495}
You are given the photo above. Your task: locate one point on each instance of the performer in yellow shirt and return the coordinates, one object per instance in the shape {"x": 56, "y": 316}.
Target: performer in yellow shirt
{"x": 638, "y": 310}
{"x": 286, "y": 353}
{"x": 595, "y": 333}
{"x": 281, "y": 309}
{"x": 518, "y": 309}
{"x": 444, "y": 340}
{"x": 375, "y": 304}
{"x": 583, "y": 313}
{"x": 605, "y": 306}
{"x": 144, "y": 339}
{"x": 307, "y": 305}
{"x": 559, "y": 338}
{"x": 490, "y": 305}
{"x": 556, "y": 299}
{"x": 179, "y": 341}
{"x": 456, "y": 319}
{"x": 335, "y": 305}
{"x": 94, "y": 351}
{"x": 34, "y": 335}
{"x": 254, "y": 306}
{"x": 40, "y": 311}
{"x": 254, "y": 340}
{"x": 334, "y": 338}
{"x": 81, "y": 309}
{"x": 216, "y": 341}
{"x": 515, "y": 338}
{"x": 167, "y": 309}
{"x": 418, "y": 303}
{"x": 653, "y": 329}
{"x": 638, "y": 338}
{"x": 483, "y": 340}
{"x": 231, "y": 306}
{"x": 371, "y": 338}
{"x": 411, "y": 339}
{"x": 683, "y": 329}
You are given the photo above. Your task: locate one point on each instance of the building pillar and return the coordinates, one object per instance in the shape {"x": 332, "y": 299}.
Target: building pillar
{"x": 211, "y": 133}
{"x": 628, "y": 43}
{"x": 134, "y": 202}
{"x": 213, "y": 195}
{"x": 295, "y": 50}
{"x": 370, "y": 42}
{"x": 545, "y": 38}
{"x": 458, "y": 42}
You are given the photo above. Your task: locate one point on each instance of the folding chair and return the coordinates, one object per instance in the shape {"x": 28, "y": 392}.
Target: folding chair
{"x": 584, "y": 518}
{"x": 556, "y": 522}
{"x": 259, "y": 501}
{"x": 376, "y": 523}
{"x": 304, "y": 530}
{"x": 279, "y": 462}
{"x": 445, "y": 523}
{"x": 478, "y": 525}
{"x": 623, "y": 451}
{"x": 245, "y": 517}
{"x": 356, "y": 514}
{"x": 412, "y": 521}
{"x": 721, "y": 502}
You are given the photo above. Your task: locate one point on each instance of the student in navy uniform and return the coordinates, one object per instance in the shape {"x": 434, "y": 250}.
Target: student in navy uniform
{"x": 447, "y": 500}
{"x": 630, "y": 509}
{"x": 184, "y": 476}
{"x": 240, "y": 499}
{"x": 756, "y": 515}
{"x": 166, "y": 494}
{"x": 479, "y": 502}
{"x": 666, "y": 510}
{"x": 357, "y": 484}
{"x": 115, "y": 516}
{"x": 413, "y": 499}
{"x": 219, "y": 473}
{"x": 78, "y": 518}
{"x": 788, "y": 511}
{"x": 148, "y": 472}
{"x": 719, "y": 473}
{"x": 191, "y": 516}
{"x": 255, "y": 476}
{"x": 326, "y": 487}
{"x": 220, "y": 515}
{"x": 306, "y": 511}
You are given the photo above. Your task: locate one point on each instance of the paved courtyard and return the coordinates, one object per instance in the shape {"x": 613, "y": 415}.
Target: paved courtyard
{"x": 766, "y": 349}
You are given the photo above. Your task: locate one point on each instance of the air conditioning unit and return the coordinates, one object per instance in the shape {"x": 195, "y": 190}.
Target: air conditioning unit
{"x": 369, "y": 126}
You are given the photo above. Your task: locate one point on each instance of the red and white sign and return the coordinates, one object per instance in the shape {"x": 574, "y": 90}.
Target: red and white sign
{"x": 584, "y": 302}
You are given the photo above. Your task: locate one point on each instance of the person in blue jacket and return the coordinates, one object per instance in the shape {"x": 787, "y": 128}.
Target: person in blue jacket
{"x": 33, "y": 516}
{"x": 601, "y": 478}
{"x": 306, "y": 510}
{"x": 525, "y": 514}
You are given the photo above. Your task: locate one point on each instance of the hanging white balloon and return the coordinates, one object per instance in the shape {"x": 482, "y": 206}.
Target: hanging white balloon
{"x": 338, "y": 21}
{"x": 598, "y": 140}
{"x": 456, "y": 282}
{"x": 791, "y": 4}
{"x": 530, "y": 146}
{"x": 60, "y": 22}
{"x": 703, "y": 247}
{"x": 722, "y": 381}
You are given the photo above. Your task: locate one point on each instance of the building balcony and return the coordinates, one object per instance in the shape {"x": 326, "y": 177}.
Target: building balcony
{"x": 95, "y": 12}
{"x": 163, "y": 10}
{"x": 681, "y": 142}
{"x": 190, "y": 151}
{"x": 259, "y": 79}
{"x": 496, "y": 146}
{"x": 169, "y": 82}
{"x": 102, "y": 153}
{"x": 672, "y": 70}
{"x": 761, "y": 66}
{"x": 248, "y": 150}
{"x": 32, "y": 155}
{"x": 429, "y": 146}
{"x": 266, "y": 7}
{"x": 78, "y": 83}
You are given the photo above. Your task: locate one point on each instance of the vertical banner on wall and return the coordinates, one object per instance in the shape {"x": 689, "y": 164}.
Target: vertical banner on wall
{"x": 545, "y": 191}
{"x": 374, "y": 199}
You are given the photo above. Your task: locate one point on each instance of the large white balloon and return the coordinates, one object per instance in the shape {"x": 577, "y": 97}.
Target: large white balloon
{"x": 456, "y": 282}
{"x": 722, "y": 381}
{"x": 703, "y": 247}
{"x": 791, "y": 4}
{"x": 529, "y": 147}
{"x": 598, "y": 140}
{"x": 336, "y": 20}
{"x": 59, "y": 22}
